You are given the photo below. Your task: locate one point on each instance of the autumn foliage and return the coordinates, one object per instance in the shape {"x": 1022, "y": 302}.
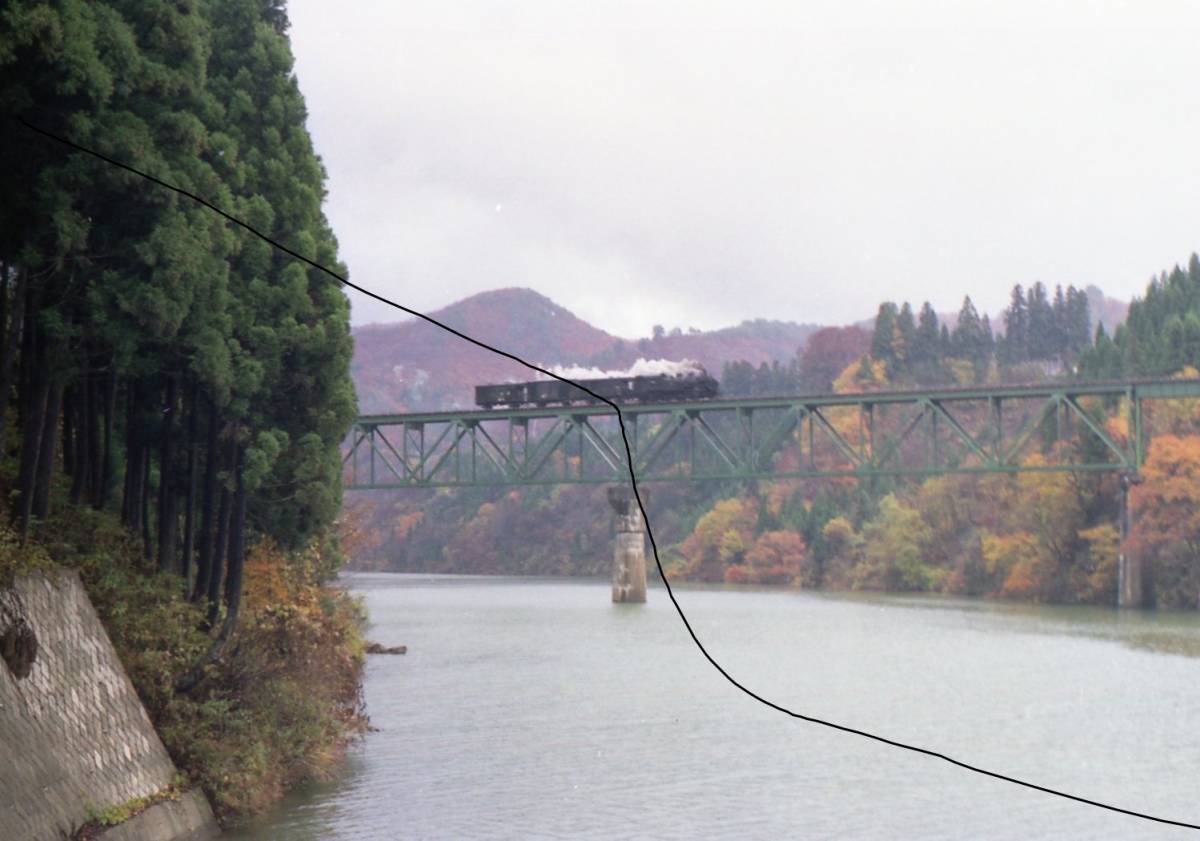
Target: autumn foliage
{"x": 1043, "y": 536}
{"x": 1167, "y": 526}
{"x": 280, "y": 707}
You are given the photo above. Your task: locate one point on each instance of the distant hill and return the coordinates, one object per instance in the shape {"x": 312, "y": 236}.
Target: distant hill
{"x": 413, "y": 365}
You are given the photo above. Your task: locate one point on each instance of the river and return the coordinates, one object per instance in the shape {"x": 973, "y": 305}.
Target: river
{"x": 531, "y": 708}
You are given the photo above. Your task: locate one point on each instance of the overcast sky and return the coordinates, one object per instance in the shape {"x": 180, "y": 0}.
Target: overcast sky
{"x": 699, "y": 163}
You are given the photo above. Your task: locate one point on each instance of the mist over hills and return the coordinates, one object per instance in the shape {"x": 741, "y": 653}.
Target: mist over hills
{"x": 411, "y": 365}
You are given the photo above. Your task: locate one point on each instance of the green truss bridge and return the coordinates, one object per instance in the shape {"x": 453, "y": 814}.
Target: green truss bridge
{"x": 995, "y": 429}
{"x": 1064, "y": 427}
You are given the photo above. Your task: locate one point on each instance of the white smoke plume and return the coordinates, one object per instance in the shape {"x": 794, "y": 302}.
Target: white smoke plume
{"x": 641, "y": 368}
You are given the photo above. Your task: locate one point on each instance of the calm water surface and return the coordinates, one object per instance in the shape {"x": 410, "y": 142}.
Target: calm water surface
{"x": 537, "y": 709}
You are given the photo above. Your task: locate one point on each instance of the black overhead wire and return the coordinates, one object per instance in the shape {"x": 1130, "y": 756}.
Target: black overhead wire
{"x": 629, "y": 459}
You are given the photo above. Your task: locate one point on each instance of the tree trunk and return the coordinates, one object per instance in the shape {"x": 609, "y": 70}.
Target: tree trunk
{"x": 80, "y": 408}
{"x": 131, "y": 507}
{"x": 91, "y": 417}
{"x": 8, "y": 353}
{"x": 4, "y": 271}
{"x": 167, "y": 518}
{"x": 189, "y": 513}
{"x": 147, "y": 544}
{"x": 218, "y": 557}
{"x": 68, "y": 437}
{"x": 133, "y": 467}
{"x": 233, "y": 582}
{"x": 32, "y": 423}
{"x": 45, "y": 463}
{"x": 208, "y": 506}
{"x": 28, "y": 357}
{"x": 104, "y": 468}
{"x": 237, "y": 548}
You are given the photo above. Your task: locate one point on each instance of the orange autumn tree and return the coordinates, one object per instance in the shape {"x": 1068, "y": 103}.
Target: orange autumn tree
{"x": 720, "y": 539}
{"x": 1166, "y": 519}
{"x": 777, "y": 557}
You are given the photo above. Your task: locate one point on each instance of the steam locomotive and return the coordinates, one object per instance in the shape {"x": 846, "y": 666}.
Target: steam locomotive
{"x": 694, "y": 384}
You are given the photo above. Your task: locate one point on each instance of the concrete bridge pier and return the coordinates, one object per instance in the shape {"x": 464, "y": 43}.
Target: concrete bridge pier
{"x": 629, "y": 547}
{"x": 1130, "y": 571}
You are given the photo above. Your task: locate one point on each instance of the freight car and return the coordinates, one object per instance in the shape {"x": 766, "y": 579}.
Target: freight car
{"x": 694, "y": 385}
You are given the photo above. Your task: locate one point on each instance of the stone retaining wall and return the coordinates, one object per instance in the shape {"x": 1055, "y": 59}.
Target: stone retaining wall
{"x": 73, "y": 734}
{"x": 187, "y": 819}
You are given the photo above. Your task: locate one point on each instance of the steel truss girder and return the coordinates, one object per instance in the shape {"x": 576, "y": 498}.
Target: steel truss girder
{"x": 910, "y": 433}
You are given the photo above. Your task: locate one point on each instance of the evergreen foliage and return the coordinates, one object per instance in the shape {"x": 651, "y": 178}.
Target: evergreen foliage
{"x": 1051, "y": 333}
{"x": 1161, "y": 334}
{"x": 178, "y": 369}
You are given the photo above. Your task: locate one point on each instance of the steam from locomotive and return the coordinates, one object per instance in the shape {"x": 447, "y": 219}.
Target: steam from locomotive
{"x": 646, "y": 381}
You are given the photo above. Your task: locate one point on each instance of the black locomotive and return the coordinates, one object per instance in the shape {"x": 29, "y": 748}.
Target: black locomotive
{"x": 697, "y": 385}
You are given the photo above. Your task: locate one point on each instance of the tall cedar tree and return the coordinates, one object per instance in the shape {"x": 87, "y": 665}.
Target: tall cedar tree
{"x": 176, "y": 367}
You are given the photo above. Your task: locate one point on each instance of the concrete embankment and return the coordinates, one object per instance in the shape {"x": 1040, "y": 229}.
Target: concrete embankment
{"x": 75, "y": 738}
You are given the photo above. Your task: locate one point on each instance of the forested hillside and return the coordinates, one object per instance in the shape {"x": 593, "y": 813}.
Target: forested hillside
{"x": 173, "y": 390}
{"x": 1043, "y": 537}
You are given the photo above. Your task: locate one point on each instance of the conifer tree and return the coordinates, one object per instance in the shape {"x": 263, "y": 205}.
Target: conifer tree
{"x": 905, "y": 334}
{"x": 1041, "y": 335}
{"x": 1015, "y": 347}
{"x": 971, "y": 340}
{"x": 883, "y": 340}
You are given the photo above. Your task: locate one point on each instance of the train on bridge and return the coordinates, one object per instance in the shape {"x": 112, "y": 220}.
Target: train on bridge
{"x": 682, "y": 382}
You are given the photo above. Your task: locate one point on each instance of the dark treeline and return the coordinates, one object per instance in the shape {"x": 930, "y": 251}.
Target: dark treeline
{"x": 155, "y": 360}
{"x": 918, "y": 349}
{"x": 1038, "y": 328}
{"x": 1161, "y": 334}
{"x": 744, "y": 379}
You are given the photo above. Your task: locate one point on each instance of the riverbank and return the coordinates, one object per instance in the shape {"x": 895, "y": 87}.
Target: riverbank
{"x": 278, "y": 706}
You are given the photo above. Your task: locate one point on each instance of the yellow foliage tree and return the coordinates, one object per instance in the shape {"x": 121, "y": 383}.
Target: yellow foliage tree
{"x": 896, "y": 544}
{"x": 1098, "y": 582}
{"x": 1180, "y": 416}
{"x": 732, "y": 547}
{"x": 720, "y": 536}
{"x": 1012, "y": 562}
{"x": 961, "y": 370}
{"x": 866, "y": 374}
{"x": 845, "y": 546}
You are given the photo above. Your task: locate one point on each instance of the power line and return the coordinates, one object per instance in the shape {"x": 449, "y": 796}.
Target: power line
{"x": 637, "y": 495}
